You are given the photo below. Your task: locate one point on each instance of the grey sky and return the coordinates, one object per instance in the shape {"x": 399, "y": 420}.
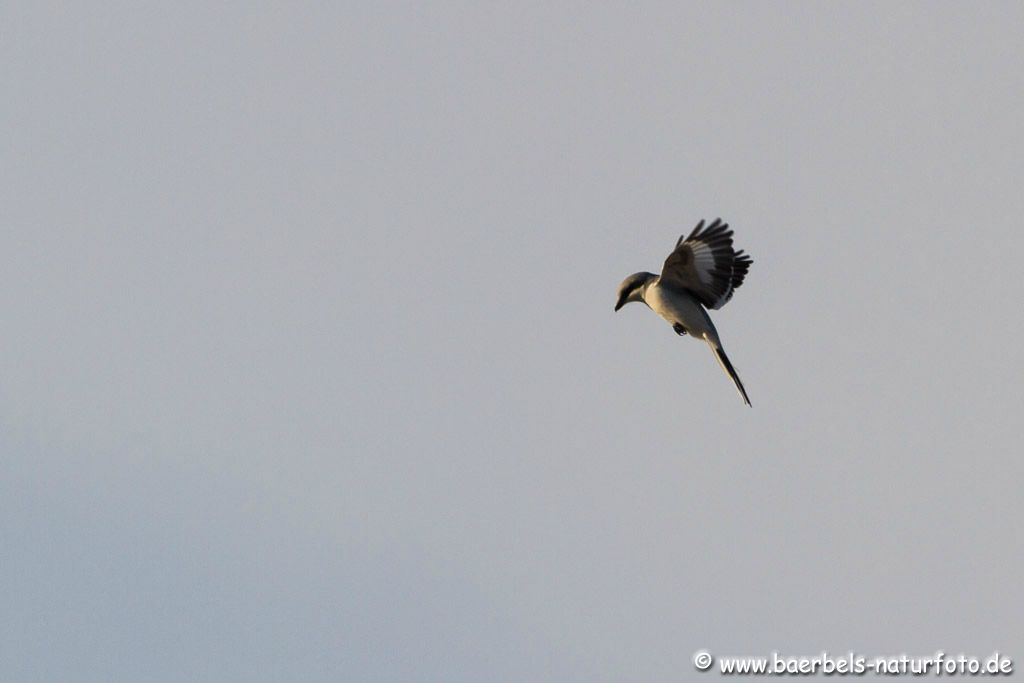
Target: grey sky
{"x": 310, "y": 369}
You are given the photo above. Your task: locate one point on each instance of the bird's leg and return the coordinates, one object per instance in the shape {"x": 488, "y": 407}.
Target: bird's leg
{"x": 680, "y": 330}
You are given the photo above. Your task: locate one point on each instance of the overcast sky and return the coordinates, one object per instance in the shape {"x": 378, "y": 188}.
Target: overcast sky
{"x": 309, "y": 369}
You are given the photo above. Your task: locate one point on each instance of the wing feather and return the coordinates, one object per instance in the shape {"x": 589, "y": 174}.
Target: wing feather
{"x": 705, "y": 264}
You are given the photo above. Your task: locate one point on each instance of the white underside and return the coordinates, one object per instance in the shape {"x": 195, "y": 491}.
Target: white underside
{"x": 678, "y": 307}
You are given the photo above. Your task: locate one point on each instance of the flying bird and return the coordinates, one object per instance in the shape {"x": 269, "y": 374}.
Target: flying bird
{"x": 702, "y": 272}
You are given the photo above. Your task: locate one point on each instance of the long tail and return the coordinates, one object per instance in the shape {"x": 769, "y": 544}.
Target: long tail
{"x": 723, "y": 360}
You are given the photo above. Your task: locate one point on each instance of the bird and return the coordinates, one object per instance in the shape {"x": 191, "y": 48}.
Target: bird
{"x": 702, "y": 272}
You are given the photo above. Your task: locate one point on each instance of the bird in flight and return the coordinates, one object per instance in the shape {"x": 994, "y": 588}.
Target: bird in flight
{"x": 702, "y": 272}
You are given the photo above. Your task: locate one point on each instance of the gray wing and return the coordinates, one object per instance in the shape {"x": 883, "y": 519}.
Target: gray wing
{"x": 706, "y": 265}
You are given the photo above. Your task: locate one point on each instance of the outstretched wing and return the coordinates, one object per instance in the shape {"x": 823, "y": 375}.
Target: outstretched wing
{"x": 706, "y": 265}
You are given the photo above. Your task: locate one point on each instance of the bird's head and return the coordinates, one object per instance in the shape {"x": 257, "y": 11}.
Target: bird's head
{"x": 632, "y": 288}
